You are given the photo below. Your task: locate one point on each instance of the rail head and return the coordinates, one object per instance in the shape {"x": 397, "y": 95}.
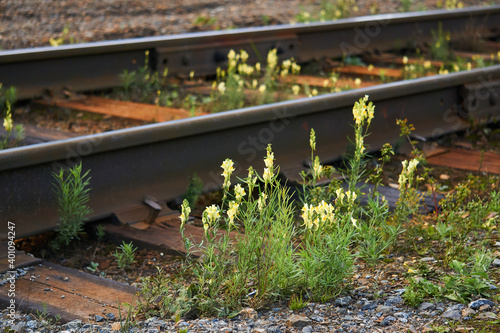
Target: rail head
{"x": 149, "y": 134}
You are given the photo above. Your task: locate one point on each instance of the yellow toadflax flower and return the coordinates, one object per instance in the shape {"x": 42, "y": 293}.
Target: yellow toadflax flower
{"x": 210, "y": 216}
{"x": 221, "y": 88}
{"x": 354, "y": 222}
{"x": 295, "y": 89}
{"x": 7, "y": 122}
{"x": 312, "y": 139}
{"x": 407, "y": 172}
{"x": 307, "y": 216}
{"x": 232, "y": 211}
{"x": 227, "y": 167}
{"x": 269, "y": 162}
{"x": 251, "y": 180}
{"x": 261, "y": 202}
{"x": 243, "y": 55}
{"x": 272, "y": 59}
{"x": 363, "y": 112}
{"x": 317, "y": 168}
{"x": 185, "y": 212}
{"x": 239, "y": 192}
{"x": 267, "y": 176}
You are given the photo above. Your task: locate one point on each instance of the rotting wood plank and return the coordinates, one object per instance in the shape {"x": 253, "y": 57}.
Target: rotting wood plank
{"x": 35, "y": 134}
{"x": 366, "y": 71}
{"x": 122, "y": 109}
{"x": 390, "y": 58}
{"x": 252, "y": 93}
{"x": 470, "y": 160}
{"x": 68, "y": 293}
{"x": 163, "y": 235}
{"x": 473, "y": 55}
{"x": 21, "y": 258}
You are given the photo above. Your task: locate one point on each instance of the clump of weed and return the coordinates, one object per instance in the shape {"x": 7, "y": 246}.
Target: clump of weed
{"x": 297, "y": 303}
{"x": 254, "y": 250}
{"x": 125, "y": 255}
{"x": 228, "y": 91}
{"x": 329, "y": 10}
{"x": 13, "y": 134}
{"x": 72, "y": 193}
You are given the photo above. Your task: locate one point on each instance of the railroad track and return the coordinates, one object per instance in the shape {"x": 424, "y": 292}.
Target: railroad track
{"x": 158, "y": 159}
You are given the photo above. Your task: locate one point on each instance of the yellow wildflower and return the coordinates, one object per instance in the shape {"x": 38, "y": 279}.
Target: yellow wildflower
{"x": 243, "y": 55}
{"x": 185, "y": 212}
{"x": 221, "y": 88}
{"x": 272, "y": 59}
{"x": 261, "y": 202}
{"x": 7, "y": 122}
{"x": 267, "y": 176}
{"x": 232, "y": 211}
{"x": 239, "y": 192}
{"x": 312, "y": 139}
{"x": 227, "y": 167}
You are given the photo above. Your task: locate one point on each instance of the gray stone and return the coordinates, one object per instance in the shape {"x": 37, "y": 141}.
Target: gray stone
{"x": 467, "y": 312}
{"x": 402, "y": 316}
{"x": 496, "y": 262}
{"x": 369, "y": 306}
{"x": 298, "y": 321}
{"x": 387, "y": 321}
{"x": 399, "y": 292}
{"x": 98, "y": 319}
{"x": 248, "y": 313}
{"x": 456, "y": 307}
{"x": 383, "y": 309}
{"x": 111, "y": 316}
{"x": 394, "y": 300}
{"x": 480, "y": 302}
{"x": 426, "y": 306}
{"x": 259, "y": 330}
{"x": 19, "y": 327}
{"x": 32, "y": 324}
{"x": 307, "y": 329}
{"x": 317, "y": 318}
{"x": 452, "y": 314}
{"x": 343, "y": 301}
{"x": 427, "y": 259}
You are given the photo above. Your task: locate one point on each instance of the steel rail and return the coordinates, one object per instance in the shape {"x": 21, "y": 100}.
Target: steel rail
{"x": 91, "y": 66}
{"x": 158, "y": 159}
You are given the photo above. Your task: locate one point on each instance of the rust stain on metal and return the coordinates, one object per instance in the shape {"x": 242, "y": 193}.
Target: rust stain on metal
{"x": 467, "y": 160}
